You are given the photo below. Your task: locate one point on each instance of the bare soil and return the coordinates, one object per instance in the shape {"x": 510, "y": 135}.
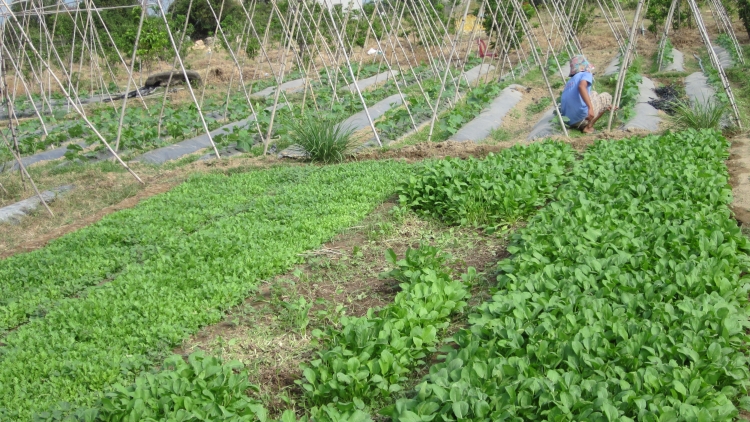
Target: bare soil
{"x": 423, "y": 150}
{"x": 519, "y": 120}
{"x": 739, "y": 178}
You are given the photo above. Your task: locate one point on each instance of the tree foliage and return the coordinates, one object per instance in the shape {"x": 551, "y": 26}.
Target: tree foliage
{"x": 498, "y": 18}
{"x": 743, "y": 8}
{"x": 203, "y": 18}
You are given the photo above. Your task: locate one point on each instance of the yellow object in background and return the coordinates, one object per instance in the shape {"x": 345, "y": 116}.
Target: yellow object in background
{"x": 471, "y": 24}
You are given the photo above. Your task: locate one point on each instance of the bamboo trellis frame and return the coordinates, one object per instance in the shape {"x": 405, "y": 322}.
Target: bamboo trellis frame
{"x": 410, "y": 33}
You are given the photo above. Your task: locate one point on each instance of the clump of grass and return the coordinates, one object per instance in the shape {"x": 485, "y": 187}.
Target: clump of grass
{"x": 701, "y": 115}
{"x": 324, "y": 140}
{"x": 500, "y": 135}
{"x": 538, "y": 106}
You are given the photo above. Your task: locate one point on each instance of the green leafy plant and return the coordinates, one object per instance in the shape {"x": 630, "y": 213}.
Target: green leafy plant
{"x": 156, "y": 273}
{"x": 497, "y": 21}
{"x": 466, "y": 110}
{"x": 538, "y": 106}
{"x": 370, "y": 357}
{"x": 630, "y": 91}
{"x": 500, "y": 135}
{"x": 667, "y": 56}
{"x": 498, "y": 189}
{"x": 725, "y": 42}
{"x": 203, "y": 388}
{"x": 181, "y": 121}
{"x": 295, "y": 314}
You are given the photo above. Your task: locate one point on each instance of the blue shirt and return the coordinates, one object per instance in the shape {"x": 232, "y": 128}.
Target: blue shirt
{"x": 572, "y": 105}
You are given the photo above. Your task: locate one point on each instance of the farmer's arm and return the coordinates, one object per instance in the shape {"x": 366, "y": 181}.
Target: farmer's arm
{"x": 583, "y": 89}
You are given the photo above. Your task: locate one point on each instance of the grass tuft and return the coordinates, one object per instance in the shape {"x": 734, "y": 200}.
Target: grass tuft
{"x": 323, "y": 139}
{"x": 701, "y": 115}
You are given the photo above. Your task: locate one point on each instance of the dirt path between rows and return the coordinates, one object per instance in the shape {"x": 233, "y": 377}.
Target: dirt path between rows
{"x": 739, "y": 177}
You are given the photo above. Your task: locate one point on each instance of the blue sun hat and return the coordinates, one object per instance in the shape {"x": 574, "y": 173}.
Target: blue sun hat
{"x": 579, "y": 64}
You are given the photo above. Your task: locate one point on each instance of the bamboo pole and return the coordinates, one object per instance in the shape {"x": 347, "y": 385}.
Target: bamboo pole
{"x": 187, "y": 80}
{"x": 19, "y": 75}
{"x": 132, "y": 67}
{"x": 390, "y": 69}
{"x": 267, "y": 139}
{"x": 727, "y": 23}
{"x": 171, "y": 70}
{"x": 715, "y": 61}
{"x": 119, "y": 56}
{"x": 530, "y": 36}
{"x": 665, "y": 34}
{"x": 351, "y": 72}
{"x": 75, "y": 105}
{"x": 211, "y": 52}
{"x": 239, "y": 67}
{"x": 26, "y": 173}
{"x": 445, "y": 74}
{"x": 625, "y": 64}
{"x": 612, "y": 27}
{"x": 16, "y": 156}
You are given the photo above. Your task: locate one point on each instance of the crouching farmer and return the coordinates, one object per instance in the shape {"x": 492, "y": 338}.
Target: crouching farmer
{"x": 582, "y": 106}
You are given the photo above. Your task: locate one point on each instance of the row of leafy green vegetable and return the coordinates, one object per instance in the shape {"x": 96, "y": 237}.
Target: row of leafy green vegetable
{"x": 465, "y": 110}
{"x": 110, "y": 333}
{"x": 368, "y": 359}
{"x": 626, "y": 299}
{"x": 336, "y": 108}
{"x": 31, "y": 282}
{"x": 421, "y": 101}
{"x": 501, "y": 188}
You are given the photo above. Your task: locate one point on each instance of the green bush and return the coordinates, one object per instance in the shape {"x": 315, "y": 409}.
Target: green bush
{"x": 743, "y": 9}
{"x": 369, "y": 358}
{"x": 323, "y": 139}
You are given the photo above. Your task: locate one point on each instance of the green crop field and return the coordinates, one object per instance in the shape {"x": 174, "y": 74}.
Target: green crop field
{"x": 623, "y": 297}
{"x": 375, "y": 211}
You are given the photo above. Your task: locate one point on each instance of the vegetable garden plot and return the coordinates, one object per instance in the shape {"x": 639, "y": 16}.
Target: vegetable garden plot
{"x": 369, "y": 358}
{"x": 113, "y": 331}
{"x": 625, "y": 299}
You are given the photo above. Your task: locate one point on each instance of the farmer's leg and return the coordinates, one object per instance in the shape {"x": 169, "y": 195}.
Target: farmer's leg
{"x": 601, "y": 102}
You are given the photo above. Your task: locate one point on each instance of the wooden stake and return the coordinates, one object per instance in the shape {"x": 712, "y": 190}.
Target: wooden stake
{"x": 625, "y": 63}
{"x": 665, "y": 34}
{"x": 26, "y": 173}
{"x": 715, "y": 61}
